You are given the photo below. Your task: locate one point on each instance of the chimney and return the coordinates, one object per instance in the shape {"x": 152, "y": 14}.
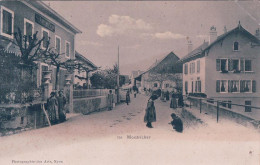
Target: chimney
{"x": 257, "y": 33}
{"x": 212, "y": 34}
{"x": 225, "y": 29}
{"x": 189, "y": 46}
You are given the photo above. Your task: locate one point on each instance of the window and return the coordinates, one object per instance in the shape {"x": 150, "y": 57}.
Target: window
{"x": 248, "y": 65}
{"x": 185, "y": 68}
{"x": 166, "y": 85}
{"x": 198, "y": 66}
{"x": 247, "y": 106}
{"x": 186, "y": 87}
{"x": 28, "y": 28}
{"x": 198, "y": 86}
{"x": 41, "y": 73}
{"x": 233, "y": 86}
{"x": 67, "y": 49}
{"x": 7, "y": 22}
{"x": 221, "y": 86}
{"x": 58, "y": 44}
{"x": 193, "y": 67}
{"x": 245, "y": 86}
{"x": 235, "y": 46}
{"x": 233, "y": 65}
{"x": 45, "y": 35}
{"x": 221, "y": 65}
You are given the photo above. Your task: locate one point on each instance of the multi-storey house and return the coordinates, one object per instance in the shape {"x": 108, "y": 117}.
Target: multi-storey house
{"x": 225, "y": 68}
{"x": 35, "y": 16}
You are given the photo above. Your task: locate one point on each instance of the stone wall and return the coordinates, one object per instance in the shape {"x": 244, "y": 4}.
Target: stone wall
{"x": 92, "y": 104}
{"x": 18, "y": 117}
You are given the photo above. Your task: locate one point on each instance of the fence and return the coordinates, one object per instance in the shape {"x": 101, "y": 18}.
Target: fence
{"x": 218, "y": 107}
{"x": 90, "y": 93}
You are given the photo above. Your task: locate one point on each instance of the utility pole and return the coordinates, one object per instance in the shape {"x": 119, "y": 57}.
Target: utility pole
{"x": 118, "y": 85}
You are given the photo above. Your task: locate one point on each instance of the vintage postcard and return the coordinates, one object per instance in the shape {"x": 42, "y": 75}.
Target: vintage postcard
{"x": 129, "y": 82}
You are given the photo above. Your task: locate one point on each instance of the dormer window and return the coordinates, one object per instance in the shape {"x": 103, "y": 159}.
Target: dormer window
{"x": 236, "y": 46}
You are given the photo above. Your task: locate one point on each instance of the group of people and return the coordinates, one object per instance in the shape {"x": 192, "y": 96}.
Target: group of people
{"x": 150, "y": 113}
{"x": 56, "y": 107}
{"x": 176, "y": 100}
{"x": 111, "y": 102}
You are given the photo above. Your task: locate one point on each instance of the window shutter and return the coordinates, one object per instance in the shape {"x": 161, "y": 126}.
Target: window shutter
{"x": 242, "y": 85}
{"x": 242, "y": 64}
{"x": 196, "y": 85}
{"x": 229, "y": 86}
{"x": 218, "y": 86}
{"x": 254, "y": 86}
{"x": 198, "y": 66}
{"x": 218, "y": 64}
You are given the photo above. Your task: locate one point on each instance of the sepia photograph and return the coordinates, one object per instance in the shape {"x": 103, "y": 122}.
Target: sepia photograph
{"x": 129, "y": 82}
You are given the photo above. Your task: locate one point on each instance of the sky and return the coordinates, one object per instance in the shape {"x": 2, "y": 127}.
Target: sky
{"x": 146, "y": 31}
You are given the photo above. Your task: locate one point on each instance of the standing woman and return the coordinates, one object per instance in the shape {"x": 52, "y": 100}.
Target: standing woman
{"x": 150, "y": 113}
{"x": 61, "y": 106}
{"x": 173, "y": 100}
{"x": 52, "y": 107}
{"x": 127, "y": 99}
{"x": 180, "y": 100}
{"x": 110, "y": 100}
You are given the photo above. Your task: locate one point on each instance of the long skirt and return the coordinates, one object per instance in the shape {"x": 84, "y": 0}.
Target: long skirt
{"x": 150, "y": 115}
{"x": 173, "y": 103}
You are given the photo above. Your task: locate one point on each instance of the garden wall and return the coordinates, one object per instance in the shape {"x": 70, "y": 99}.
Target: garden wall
{"x": 18, "y": 117}
{"x": 91, "y": 104}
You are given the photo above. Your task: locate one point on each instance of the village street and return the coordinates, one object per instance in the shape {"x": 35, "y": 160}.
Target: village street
{"x": 101, "y": 138}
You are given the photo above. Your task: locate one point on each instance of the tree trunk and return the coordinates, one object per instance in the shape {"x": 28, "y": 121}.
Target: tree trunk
{"x": 57, "y": 85}
{"x": 87, "y": 79}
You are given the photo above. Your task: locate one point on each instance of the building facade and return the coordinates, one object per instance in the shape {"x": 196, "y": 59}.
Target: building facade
{"x": 165, "y": 74}
{"x": 82, "y": 75}
{"x": 35, "y": 16}
{"x": 225, "y": 68}
{"x": 132, "y": 77}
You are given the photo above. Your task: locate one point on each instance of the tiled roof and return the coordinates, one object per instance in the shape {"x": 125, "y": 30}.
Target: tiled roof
{"x": 159, "y": 62}
{"x": 79, "y": 56}
{"x": 205, "y": 46}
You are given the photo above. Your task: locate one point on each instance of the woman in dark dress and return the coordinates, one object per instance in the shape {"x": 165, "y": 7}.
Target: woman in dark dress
{"x": 127, "y": 99}
{"x": 150, "y": 113}
{"x": 61, "y": 106}
{"x": 173, "y": 101}
{"x": 52, "y": 104}
{"x": 167, "y": 95}
{"x": 180, "y": 100}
